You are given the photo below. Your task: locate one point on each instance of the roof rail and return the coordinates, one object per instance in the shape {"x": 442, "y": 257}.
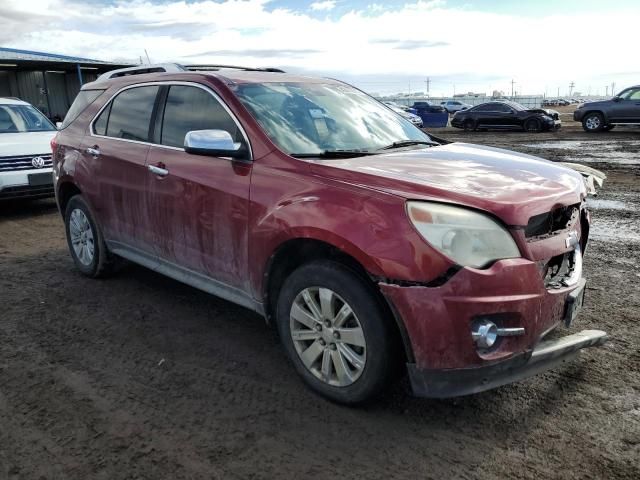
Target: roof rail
{"x": 213, "y": 67}
{"x": 141, "y": 69}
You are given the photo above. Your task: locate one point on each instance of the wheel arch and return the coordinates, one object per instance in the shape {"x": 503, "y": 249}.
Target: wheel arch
{"x": 295, "y": 252}
{"x": 64, "y": 192}
{"x": 595, "y": 110}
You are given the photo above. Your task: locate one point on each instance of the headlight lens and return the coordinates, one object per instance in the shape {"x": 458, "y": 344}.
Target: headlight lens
{"x": 469, "y": 238}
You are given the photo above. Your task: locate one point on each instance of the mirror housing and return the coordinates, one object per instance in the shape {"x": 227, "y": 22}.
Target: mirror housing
{"x": 616, "y": 98}
{"x": 59, "y": 125}
{"x": 215, "y": 143}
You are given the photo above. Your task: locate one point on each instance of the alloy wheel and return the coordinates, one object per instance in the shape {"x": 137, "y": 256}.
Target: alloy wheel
{"x": 593, "y": 122}
{"x": 328, "y": 336}
{"x": 82, "y": 239}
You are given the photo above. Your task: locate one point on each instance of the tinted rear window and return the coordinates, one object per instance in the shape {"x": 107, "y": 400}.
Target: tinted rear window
{"x": 82, "y": 101}
{"x": 130, "y": 114}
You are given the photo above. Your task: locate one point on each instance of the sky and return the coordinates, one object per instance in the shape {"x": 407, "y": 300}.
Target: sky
{"x": 380, "y": 46}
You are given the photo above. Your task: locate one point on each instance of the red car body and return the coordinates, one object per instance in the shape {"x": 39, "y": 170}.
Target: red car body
{"x": 229, "y": 223}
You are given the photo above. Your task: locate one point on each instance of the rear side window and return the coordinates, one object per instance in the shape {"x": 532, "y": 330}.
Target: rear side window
{"x": 129, "y": 114}
{"x": 192, "y": 108}
{"x": 82, "y": 101}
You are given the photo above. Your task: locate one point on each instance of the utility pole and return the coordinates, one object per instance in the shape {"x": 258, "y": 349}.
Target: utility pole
{"x": 606, "y": 90}
{"x": 613, "y": 88}
{"x": 428, "y": 82}
{"x": 512, "y": 83}
{"x": 558, "y": 93}
{"x": 571, "y": 85}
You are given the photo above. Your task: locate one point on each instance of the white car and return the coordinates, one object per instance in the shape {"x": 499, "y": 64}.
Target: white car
{"x": 415, "y": 119}
{"x": 25, "y": 151}
{"x": 453, "y": 106}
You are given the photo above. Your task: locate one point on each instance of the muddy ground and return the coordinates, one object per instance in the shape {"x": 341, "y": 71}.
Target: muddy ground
{"x": 139, "y": 376}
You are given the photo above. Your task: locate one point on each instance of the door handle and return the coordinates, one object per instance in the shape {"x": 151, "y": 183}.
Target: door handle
{"x": 161, "y": 172}
{"x": 94, "y": 151}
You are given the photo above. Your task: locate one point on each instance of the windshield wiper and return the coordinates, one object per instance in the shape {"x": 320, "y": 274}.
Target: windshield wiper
{"x": 407, "y": 143}
{"x": 333, "y": 154}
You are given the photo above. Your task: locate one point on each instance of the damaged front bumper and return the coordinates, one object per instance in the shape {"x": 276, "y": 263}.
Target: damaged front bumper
{"x": 465, "y": 381}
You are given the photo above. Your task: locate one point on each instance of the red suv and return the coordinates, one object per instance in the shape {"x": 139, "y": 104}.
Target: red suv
{"x": 370, "y": 244}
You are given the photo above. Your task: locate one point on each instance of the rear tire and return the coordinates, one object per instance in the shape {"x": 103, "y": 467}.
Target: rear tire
{"x": 85, "y": 240}
{"x": 336, "y": 333}
{"x": 593, "y": 122}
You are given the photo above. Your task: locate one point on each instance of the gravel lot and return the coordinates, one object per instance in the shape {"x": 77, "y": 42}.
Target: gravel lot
{"x": 139, "y": 376}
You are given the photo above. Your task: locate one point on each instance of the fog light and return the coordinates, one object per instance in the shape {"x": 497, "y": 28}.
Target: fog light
{"x": 484, "y": 333}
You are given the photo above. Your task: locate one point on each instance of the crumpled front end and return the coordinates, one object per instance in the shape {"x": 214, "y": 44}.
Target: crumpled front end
{"x": 520, "y": 299}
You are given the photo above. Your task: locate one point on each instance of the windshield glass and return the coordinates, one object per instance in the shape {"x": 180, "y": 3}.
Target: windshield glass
{"x": 23, "y": 118}
{"x": 309, "y": 118}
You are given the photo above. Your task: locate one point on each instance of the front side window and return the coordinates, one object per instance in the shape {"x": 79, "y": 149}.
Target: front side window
{"x": 631, "y": 94}
{"x": 312, "y": 118}
{"x": 502, "y": 108}
{"x": 192, "y": 108}
{"x": 23, "y": 118}
{"x": 129, "y": 114}
{"x": 485, "y": 107}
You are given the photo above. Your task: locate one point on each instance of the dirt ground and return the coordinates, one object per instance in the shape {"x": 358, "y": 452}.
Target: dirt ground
{"x": 139, "y": 376}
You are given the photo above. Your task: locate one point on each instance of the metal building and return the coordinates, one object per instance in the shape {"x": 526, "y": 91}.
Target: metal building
{"x": 48, "y": 81}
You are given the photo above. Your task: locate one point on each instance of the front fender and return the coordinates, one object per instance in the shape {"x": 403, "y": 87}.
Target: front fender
{"x": 369, "y": 226}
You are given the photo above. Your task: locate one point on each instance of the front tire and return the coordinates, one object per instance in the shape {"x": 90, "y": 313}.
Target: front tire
{"x": 593, "y": 122}
{"x": 335, "y": 332}
{"x": 469, "y": 125}
{"x": 533, "y": 125}
{"x": 85, "y": 240}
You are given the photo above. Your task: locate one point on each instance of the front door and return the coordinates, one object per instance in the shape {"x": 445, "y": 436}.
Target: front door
{"x": 199, "y": 204}
{"x": 627, "y": 109}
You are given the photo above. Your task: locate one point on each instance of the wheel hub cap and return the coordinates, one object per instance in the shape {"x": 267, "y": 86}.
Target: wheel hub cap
{"x": 328, "y": 336}
{"x": 81, "y": 236}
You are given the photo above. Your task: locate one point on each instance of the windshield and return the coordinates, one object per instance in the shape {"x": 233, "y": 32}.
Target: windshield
{"x": 23, "y": 118}
{"x": 310, "y": 118}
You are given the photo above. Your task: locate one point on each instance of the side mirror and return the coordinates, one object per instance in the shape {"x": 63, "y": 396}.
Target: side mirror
{"x": 616, "y": 98}
{"x": 215, "y": 143}
{"x": 59, "y": 125}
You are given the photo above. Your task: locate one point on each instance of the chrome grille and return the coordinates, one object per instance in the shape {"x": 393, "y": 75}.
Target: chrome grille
{"x": 23, "y": 162}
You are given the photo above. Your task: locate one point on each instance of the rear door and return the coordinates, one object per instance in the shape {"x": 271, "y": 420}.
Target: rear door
{"x": 200, "y": 205}
{"x": 116, "y": 150}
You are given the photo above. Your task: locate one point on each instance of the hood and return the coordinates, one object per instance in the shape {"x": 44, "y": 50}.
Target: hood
{"x": 26, "y": 143}
{"x": 545, "y": 111}
{"x": 512, "y": 186}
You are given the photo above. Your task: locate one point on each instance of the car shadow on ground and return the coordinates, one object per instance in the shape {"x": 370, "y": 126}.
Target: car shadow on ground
{"x": 18, "y": 209}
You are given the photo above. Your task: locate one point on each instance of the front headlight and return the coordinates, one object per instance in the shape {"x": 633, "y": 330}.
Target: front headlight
{"x": 469, "y": 238}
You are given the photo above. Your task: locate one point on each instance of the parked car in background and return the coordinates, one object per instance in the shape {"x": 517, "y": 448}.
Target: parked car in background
{"x": 370, "y": 245}
{"x": 406, "y": 108}
{"x": 452, "y": 106}
{"x": 415, "y": 119}
{"x": 506, "y": 116}
{"x": 25, "y": 152}
{"x": 427, "y": 107}
{"x": 623, "y": 109}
